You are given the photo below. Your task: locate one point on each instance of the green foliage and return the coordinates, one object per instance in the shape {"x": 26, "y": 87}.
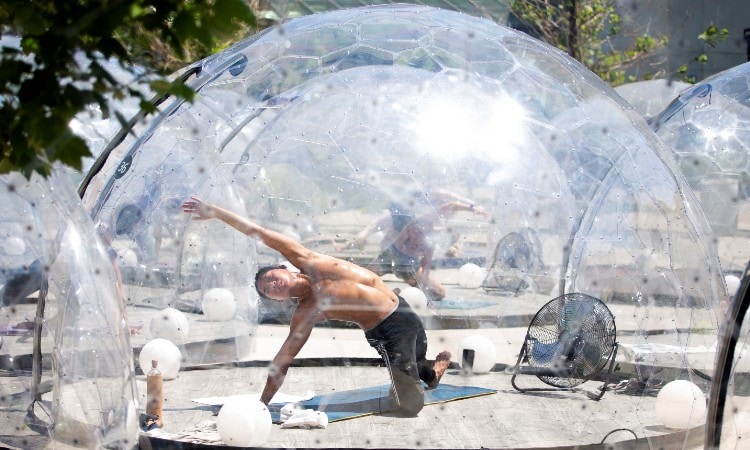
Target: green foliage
{"x": 711, "y": 37}
{"x": 44, "y": 83}
{"x": 587, "y": 30}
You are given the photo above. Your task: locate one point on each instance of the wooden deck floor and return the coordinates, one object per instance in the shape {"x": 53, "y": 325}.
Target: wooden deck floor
{"x": 508, "y": 419}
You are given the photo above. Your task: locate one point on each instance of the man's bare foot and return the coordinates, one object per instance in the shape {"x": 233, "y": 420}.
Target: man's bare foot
{"x": 442, "y": 362}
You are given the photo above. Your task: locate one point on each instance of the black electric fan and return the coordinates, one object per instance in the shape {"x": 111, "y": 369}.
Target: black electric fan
{"x": 517, "y": 256}
{"x": 569, "y": 341}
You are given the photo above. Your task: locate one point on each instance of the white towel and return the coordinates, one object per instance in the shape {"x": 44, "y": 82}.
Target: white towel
{"x": 204, "y": 432}
{"x": 287, "y": 411}
{"x": 305, "y": 418}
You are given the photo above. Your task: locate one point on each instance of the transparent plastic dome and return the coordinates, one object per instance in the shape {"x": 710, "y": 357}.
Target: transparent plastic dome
{"x": 59, "y": 286}
{"x": 318, "y": 126}
{"x": 708, "y": 127}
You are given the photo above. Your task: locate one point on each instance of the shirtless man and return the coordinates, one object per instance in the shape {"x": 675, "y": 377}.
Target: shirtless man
{"x": 332, "y": 288}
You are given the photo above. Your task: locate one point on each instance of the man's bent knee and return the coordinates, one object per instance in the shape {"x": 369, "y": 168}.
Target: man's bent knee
{"x": 410, "y": 408}
{"x": 408, "y": 401}
{"x": 403, "y": 406}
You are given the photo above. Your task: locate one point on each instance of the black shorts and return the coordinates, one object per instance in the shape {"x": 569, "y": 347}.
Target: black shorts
{"x": 401, "y": 341}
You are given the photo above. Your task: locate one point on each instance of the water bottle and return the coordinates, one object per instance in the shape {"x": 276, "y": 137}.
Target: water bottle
{"x": 154, "y": 395}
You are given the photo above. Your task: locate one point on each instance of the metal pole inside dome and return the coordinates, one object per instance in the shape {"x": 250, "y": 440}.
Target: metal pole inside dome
{"x": 725, "y": 363}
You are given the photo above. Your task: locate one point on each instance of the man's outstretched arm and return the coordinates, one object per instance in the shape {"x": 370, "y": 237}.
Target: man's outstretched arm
{"x": 291, "y": 249}
{"x": 300, "y": 328}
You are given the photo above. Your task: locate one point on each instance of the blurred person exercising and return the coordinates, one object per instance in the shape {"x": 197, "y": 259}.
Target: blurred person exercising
{"x": 332, "y": 288}
{"x": 407, "y": 248}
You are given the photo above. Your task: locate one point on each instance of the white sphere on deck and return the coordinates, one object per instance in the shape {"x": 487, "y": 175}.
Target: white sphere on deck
{"x": 128, "y": 258}
{"x": 471, "y": 276}
{"x": 681, "y": 405}
{"x": 484, "y": 356}
{"x": 733, "y": 284}
{"x": 416, "y": 299}
{"x": 166, "y": 353}
{"x": 171, "y": 324}
{"x": 14, "y": 246}
{"x": 244, "y": 423}
{"x": 219, "y": 304}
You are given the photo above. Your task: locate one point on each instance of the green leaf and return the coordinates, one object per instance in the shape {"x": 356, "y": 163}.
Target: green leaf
{"x": 110, "y": 46}
{"x": 147, "y": 106}
{"x": 177, "y": 88}
{"x": 70, "y": 150}
{"x": 160, "y": 86}
{"x": 229, "y": 11}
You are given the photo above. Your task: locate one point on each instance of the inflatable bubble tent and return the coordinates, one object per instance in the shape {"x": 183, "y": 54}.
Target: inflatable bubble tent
{"x": 65, "y": 353}
{"x": 319, "y": 126}
{"x": 708, "y": 126}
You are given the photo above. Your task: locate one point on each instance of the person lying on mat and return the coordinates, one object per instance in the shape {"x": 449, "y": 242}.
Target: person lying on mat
{"x": 332, "y": 288}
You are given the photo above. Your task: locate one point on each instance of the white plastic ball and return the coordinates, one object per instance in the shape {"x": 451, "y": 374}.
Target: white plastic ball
{"x": 416, "y": 299}
{"x": 681, "y": 405}
{"x": 171, "y": 324}
{"x": 219, "y": 304}
{"x": 244, "y": 423}
{"x": 485, "y": 353}
{"x": 14, "y": 246}
{"x": 471, "y": 276}
{"x": 128, "y": 258}
{"x": 733, "y": 284}
{"x": 166, "y": 353}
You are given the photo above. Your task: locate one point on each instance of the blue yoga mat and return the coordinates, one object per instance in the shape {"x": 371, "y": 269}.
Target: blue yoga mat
{"x": 461, "y": 304}
{"x": 364, "y": 402}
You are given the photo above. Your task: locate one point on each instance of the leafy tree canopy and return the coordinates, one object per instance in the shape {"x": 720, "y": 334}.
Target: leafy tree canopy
{"x": 589, "y": 31}
{"x": 44, "y": 84}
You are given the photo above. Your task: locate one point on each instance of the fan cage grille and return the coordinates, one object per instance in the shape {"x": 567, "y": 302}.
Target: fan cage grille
{"x": 570, "y": 340}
